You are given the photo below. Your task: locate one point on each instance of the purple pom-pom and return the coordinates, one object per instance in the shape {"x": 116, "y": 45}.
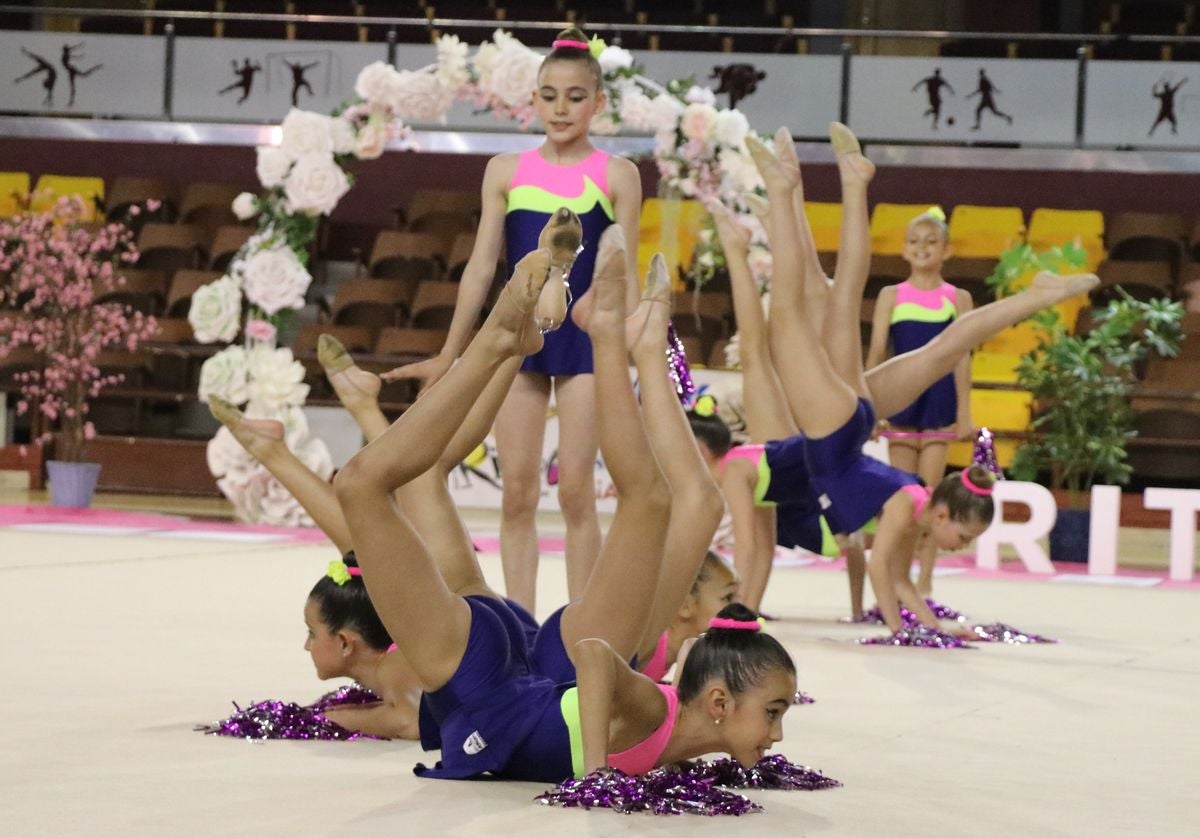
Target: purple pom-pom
{"x": 1003, "y": 633}
{"x": 661, "y": 792}
{"x": 677, "y": 367}
{"x": 942, "y": 612}
{"x": 922, "y": 636}
{"x": 770, "y": 772}
{"x": 288, "y": 720}
{"x": 985, "y": 453}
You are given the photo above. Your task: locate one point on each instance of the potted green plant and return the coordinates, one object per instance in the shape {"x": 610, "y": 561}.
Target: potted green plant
{"x": 1081, "y": 385}
{"x": 54, "y": 267}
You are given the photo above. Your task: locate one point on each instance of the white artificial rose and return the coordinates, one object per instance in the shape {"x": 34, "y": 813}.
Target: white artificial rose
{"x": 665, "y": 110}
{"x": 377, "y": 83}
{"x": 315, "y": 455}
{"x": 731, "y": 128}
{"x": 273, "y": 279}
{"x": 305, "y": 132}
{"x": 514, "y": 74}
{"x": 615, "y": 58}
{"x": 738, "y": 172}
{"x": 605, "y": 124}
{"x": 276, "y": 377}
{"x": 245, "y": 490}
{"x": 485, "y": 59}
{"x": 216, "y": 311}
{"x": 452, "y": 70}
{"x": 371, "y": 140}
{"x": 278, "y": 508}
{"x": 637, "y": 109}
{"x": 315, "y": 184}
{"x": 697, "y": 95}
{"x": 421, "y": 97}
{"x": 245, "y": 206}
{"x": 698, "y": 122}
{"x": 273, "y": 165}
{"x": 224, "y": 375}
{"x": 341, "y": 131}
{"x": 225, "y": 455}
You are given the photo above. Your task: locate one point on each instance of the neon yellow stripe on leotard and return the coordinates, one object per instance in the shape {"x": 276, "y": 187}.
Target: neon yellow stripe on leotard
{"x": 530, "y": 197}
{"x": 915, "y": 311}
{"x": 763, "y": 483}
{"x": 569, "y": 706}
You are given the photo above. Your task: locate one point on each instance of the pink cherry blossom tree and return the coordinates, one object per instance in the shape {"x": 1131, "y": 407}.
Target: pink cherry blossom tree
{"x": 52, "y": 269}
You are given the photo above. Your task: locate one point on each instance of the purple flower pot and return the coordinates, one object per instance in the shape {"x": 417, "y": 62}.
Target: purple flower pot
{"x": 72, "y": 484}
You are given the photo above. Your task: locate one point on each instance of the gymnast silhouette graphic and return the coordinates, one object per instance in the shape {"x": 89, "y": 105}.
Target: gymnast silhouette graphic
{"x": 738, "y": 80}
{"x": 933, "y": 89}
{"x": 41, "y": 65}
{"x": 987, "y": 100}
{"x": 1165, "y": 92}
{"x": 298, "y": 79}
{"x": 245, "y": 81}
{"x": 69, "y": 54}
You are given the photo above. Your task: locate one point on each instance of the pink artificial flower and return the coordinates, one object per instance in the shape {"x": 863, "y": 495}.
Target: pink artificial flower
{"x": 260, "y": 330}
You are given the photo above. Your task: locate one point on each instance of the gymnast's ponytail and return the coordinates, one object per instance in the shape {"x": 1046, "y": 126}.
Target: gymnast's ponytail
{"x": 735, "y": 650}
{"x": 343, "y": 603}
{"x": 572, "y": 45}
{"x": 967, "y": 494}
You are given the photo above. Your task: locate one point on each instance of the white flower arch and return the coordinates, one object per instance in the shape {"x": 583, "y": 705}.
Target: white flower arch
{"x": 700, "y": 152}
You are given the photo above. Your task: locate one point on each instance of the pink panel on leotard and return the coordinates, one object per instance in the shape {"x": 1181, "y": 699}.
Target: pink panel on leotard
{"x": 920, "y": 496}
{"x": 535, "y": 170}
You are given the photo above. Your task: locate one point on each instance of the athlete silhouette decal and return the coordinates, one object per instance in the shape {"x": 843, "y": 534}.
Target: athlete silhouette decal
{"x": 245, "y": 79}
{"x": 298, "y": 79}
{"x": 67, "y": 57}
{"x": 1165, "y": 92}
{"x": 987, "y": 100}
{"x": 738, "y": 80}
{"x": 933, "y": 90}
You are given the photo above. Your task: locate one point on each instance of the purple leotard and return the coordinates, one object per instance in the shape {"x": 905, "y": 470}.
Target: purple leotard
{"x": 851, "y": 488}
{"x": 919, "y": 316}
{"x": 538, "y": 188}
{"x": 495, "y": 715}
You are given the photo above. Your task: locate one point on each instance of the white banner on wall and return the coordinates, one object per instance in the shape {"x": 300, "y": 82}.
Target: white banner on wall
{"x": 963, "y": 99}
{"x": 1142, "y": 103}
{"x": 54, "y": 73}
{"x": 242, "y": 80}
{"x": 802, "y": 92}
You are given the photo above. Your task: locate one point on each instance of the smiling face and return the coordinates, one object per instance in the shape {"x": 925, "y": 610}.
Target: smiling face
{"x": 756, "y": 721}
{"x": 926, "y": 247}
{"x": 325, "y": 647}
{"x": 566, "y": 100}
{"x": 949, "y": 534}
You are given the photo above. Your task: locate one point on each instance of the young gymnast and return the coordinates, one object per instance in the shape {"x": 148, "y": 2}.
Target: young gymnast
{"x": 491, "y": 712}
{"x": 692, "y": 586}
{"x": 519, "y": 193}
{"x": 907, "y": 316}
{"x": 817, "y": 362}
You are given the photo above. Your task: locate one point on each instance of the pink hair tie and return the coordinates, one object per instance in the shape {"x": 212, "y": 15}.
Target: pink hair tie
{"x": 354, "y": 571}
{"x": 972, "y": 488}
{"x": 569, "y": 43}
{"x": 735, "y": 625}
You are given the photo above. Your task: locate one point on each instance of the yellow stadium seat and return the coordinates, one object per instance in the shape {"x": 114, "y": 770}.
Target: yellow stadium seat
{"x": 889, "y": 223}
{"x": 984, "y": 232}
{"x": 825, "y": 219}
{"x": 50, "y": 188}
{"x": 672, "y": 226}
{"x": 997, "y": 410}
{"x": 14, "y": 186}
{"x": 1051, "y": 227}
